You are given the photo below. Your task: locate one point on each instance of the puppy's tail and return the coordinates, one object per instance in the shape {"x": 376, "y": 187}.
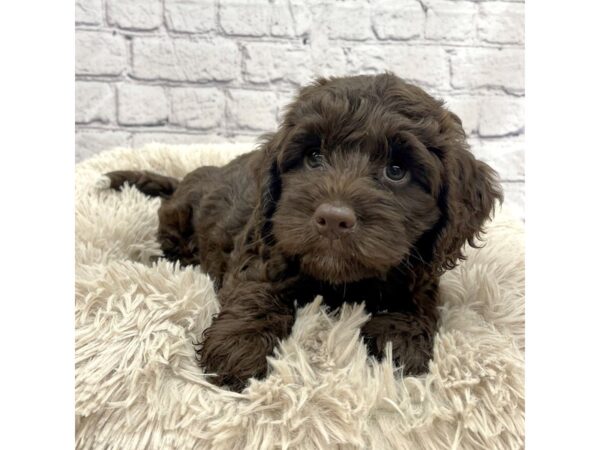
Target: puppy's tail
{"x": 149, "y": 183}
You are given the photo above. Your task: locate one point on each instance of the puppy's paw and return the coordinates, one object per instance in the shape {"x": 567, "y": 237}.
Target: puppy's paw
{"x": 234, "y": 356}
{"x": 411, "y": 344}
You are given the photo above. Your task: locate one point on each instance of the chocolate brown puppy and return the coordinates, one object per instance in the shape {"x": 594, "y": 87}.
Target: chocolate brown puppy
{"x": 366, "y": 192}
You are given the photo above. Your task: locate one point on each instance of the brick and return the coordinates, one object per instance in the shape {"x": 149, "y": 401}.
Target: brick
{"x": 392, "y": 22}
{"x": 514, "y": 199}
{"x": 467, "y": 109}
{"x": 90, "y": 142}
{"x": 190, "y": 16}
{"x": 505, "y": 155}
{"x": 477, "y": 68}
{"x": 134, "y": 14}
{"x": 245, "y": 137}
{"x": 281, "y": 20}
{"x": 265, "y": 62}
{"x": 426, "y": 66}
{"x": 143, "y": 138}
{"x": 450, "y": 20}
{"x": 501, "y": 23}
{"x": 142, "y": 105}
{"x": 500, "y": 116}
{"x": 185, "y": 60}
{"x": 245, "y": 17}
{"x": 94, "y": 102}
{"x": 174, "y": 138}
{"x": 369, "y": 59}
{"x": 99, "y": 53}
{"x": 347, "y": 20}
{"x": 256, "y": 110}
{"x": 328, "y": 61}
{"x": 88, "y": 12}
{"x": 201, "y": 108}
{"x": 302, "y": 17}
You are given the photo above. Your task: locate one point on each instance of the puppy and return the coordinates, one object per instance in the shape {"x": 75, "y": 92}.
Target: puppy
{"x": 366, "y": 192}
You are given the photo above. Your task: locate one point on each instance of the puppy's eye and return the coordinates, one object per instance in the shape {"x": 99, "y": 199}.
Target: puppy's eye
{"x": 314, "y": 159}
{"x": 395, "y": 173}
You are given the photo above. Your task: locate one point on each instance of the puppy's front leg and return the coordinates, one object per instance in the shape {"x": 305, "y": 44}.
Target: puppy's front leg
{"x": 411, "y": 336}
{"x": 235, "y": 347}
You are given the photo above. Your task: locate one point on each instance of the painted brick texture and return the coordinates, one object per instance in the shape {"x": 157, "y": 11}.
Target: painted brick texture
{"x": 192, "y": 71}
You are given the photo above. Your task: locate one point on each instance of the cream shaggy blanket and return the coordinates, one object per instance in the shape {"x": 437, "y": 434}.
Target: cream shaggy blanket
{"x": 138, "y": 385}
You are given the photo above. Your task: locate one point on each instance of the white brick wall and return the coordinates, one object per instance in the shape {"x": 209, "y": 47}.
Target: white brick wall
{"x": 186, "y": 71}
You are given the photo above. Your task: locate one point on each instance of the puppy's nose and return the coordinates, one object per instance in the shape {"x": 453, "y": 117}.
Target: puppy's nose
{"x": 334, "y": 220}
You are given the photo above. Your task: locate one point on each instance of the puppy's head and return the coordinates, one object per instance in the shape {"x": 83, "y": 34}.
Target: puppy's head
{"x": 369, "y": 173}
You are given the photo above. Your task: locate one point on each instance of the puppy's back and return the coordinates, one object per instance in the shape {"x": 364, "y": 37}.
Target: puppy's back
{"x": 198, "y": 224}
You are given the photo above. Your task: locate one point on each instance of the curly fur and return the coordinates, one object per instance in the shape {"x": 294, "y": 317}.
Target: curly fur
{"x": 249, "y": 224}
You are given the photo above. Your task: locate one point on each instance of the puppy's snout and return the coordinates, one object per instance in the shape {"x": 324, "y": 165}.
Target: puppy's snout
{"x": 334, "y": 220}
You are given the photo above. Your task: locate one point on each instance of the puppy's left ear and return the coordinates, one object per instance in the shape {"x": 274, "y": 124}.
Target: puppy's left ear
{"x": 469, "y": 194}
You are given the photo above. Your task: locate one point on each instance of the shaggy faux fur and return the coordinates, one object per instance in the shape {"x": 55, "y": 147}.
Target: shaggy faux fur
{"x": 138, "y": 384}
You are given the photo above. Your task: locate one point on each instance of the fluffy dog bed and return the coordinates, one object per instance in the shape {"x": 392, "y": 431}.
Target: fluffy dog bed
{"x": 138, "y": 385}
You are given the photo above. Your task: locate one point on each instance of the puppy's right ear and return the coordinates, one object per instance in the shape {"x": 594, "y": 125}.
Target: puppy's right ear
{"x": 268, "y": 175}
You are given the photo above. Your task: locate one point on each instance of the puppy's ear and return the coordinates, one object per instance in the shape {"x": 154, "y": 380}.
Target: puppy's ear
{"x": 469, "y": 194}
{"x": 269, "y": 184}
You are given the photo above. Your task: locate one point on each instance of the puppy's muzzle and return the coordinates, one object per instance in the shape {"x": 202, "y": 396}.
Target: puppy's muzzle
{"x": 334, "y": 220}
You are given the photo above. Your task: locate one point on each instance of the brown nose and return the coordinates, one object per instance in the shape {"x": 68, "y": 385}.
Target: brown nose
{"x": 334, "y": 220}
